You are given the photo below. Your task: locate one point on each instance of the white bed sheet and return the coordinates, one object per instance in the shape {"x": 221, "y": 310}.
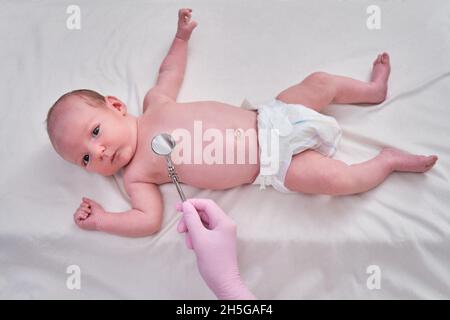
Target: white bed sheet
{"x": 290, "y": 246}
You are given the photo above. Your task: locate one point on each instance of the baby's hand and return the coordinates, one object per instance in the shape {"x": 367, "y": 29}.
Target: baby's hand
{"x": 185, "y": 25}
{"x": 88, "y": 214}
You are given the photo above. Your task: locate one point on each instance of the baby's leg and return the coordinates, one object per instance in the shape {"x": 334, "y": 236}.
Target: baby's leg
{"x": 320, "y": 89}
{"x": 310, "y": 172}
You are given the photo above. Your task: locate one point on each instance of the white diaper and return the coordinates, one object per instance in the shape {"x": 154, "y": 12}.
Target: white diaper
{"x": 297, "y": 128}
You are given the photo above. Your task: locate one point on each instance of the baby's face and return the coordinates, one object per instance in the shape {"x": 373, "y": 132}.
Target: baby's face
{"x": 100, "y": 140}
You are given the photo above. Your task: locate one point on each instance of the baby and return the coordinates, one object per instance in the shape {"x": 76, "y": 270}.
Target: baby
{"x": 97, "y": 133}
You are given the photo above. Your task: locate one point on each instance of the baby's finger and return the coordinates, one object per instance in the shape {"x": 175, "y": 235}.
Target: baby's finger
{"x": 80, "y": 214}
{"x": 184, "y": 14}
{"x": 181, "y": 12}
{"x": 77, "y": 218}
{"x": 85, "y": 205}
{"x": 93, "y": 204}
{"x": 87, "y": 201}
{"x": 84, "y": 216}
{"x": 86, "y": 210}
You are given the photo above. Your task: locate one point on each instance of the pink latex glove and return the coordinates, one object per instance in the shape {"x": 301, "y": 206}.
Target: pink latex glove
{"x": 212, "y": 236}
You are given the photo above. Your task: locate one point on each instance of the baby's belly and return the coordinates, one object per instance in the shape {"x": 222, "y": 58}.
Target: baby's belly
{"x": 217, "y": 177}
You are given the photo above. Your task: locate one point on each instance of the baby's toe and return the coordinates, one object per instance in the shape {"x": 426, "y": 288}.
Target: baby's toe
{"x": 377, "y": 60}
{"x": 431, "y": 160}
{"x": 428, "y": 163}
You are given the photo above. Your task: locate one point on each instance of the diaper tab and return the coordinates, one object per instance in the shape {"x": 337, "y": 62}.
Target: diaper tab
{"x": 265, "y": 181}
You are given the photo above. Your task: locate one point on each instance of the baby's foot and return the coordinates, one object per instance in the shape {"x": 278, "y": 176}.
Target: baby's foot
{"x": 380, "y": 75}
{"x": 406, "y": 162}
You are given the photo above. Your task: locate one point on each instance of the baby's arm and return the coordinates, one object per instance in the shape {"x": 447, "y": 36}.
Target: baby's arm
{"x": 171, "y": 71}
{"x": 144, "y": 219}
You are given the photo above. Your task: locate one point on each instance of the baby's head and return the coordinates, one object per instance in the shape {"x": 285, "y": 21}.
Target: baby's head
{"x": 92, "y": 131}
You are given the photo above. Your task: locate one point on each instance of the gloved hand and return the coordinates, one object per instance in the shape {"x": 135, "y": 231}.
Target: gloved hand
{"x": 212, "y": 236}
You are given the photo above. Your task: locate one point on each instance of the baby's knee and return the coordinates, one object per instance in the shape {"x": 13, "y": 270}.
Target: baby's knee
{"x": 318, "y": 77}
{"x": 322, "y": 83}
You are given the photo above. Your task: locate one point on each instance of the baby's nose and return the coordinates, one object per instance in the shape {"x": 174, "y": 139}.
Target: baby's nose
{"x": 99, "y": 150}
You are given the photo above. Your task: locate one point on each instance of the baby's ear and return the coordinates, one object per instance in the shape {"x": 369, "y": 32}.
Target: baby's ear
{"x": 115, "y": 104}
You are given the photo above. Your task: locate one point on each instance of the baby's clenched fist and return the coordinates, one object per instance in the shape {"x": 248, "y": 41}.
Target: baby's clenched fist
{"x": 185, "y": 25}
{"x": 88, "y": 214}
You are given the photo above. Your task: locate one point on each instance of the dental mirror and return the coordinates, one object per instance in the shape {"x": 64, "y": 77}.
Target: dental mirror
{"x": 163, "y": 144}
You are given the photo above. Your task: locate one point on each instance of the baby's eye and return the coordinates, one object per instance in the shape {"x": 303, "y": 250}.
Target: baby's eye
{"x": 95, "y": 131}
{"x": 86, "y": 159}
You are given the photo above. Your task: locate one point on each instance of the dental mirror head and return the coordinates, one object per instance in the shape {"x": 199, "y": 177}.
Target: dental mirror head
{"x": 163, "y": 144}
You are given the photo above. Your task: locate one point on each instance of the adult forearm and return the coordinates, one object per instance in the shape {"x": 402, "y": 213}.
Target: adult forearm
{"x": 131, "y": 223}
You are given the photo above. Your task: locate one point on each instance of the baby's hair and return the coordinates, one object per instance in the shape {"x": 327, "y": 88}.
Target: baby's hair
{"x": 91, "y": 97}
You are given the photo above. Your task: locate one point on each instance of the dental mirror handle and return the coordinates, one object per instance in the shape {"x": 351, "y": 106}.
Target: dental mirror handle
{"x": 180, "y": 191}
{"x": 174, "y": 177}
